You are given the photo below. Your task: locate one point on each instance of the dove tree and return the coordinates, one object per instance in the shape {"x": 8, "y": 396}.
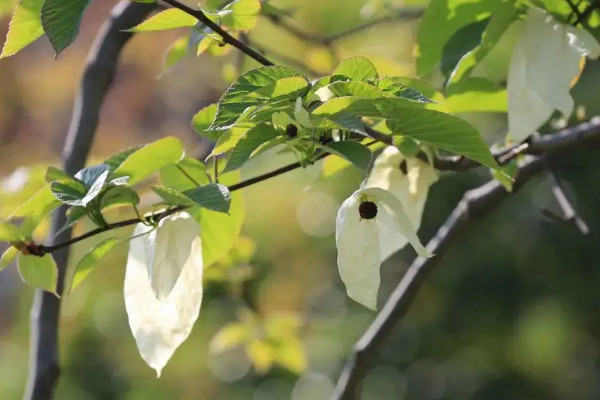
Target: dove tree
{"x": 402, "y": 133}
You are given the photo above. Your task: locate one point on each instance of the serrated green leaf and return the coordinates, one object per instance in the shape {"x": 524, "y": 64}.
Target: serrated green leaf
{"x": 117, "y": 159}
{"x": 69, "y": 192}
{"x": 195, "y": 174}
{"x": 61, "y": 20}
{"x": 38, "y": 206}
{"x": 8, "y": 256}
{"x": 358, "y": 89}
{"x": 213, "y": 196}
{"x": 376, "y": 108}
{"x": 202, "y": 120}
{"x": 25, "y": 27}
{"x": 39, "y": 272}
{"x": 170, "y": 18}
{"x": 171, "y": 196}
{"x": 119, "y": 195}
{"x": 90, "y": 259}
{"x": 356, "y": 69}
{"x": 229, "y": 139}
{"x": 441, "y": 130}
{"x": 408, "y": 88}
{"x": 248, "y": 143}
{"x": 291, "y": 88}
{"x": 150, "y": 158}
{"x": 55, "y": 174}
{"x": 441, "y": 20}
{"x": 354, "y": 152}
{"x": 9, "y": 232}
{"x": 235, "y": 100}
{"x": 243, "y": 16}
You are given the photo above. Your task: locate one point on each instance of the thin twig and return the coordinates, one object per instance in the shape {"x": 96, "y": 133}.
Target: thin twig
{"x": 98, "y": 75}
{"x": 227, "y": 38}
{"x": 570, "y": 214}
{"x": 586, "y": 132}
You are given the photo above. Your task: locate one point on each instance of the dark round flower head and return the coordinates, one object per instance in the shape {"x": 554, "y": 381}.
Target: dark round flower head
{"x": 367, "y": 210}
{"x": 291, "y": 130}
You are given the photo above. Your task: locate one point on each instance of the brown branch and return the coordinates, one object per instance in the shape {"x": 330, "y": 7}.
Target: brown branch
{"x": 227, "y": 38}
{"x": 98, "y": 75}
{"x": 475, "y": 204}
{"x": 570, "y": 215}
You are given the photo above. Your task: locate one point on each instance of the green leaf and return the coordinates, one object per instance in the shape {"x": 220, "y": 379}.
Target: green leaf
{"x": 213, "y": 196}
{"x": 441, "y": 20}
{"x": 55, "y": 174}
{"x": 220, "y": 231}
{"x": 117, "y": 159}
{"x": 235, "y": 100}
{"x": 354, "y": 152}
{"x": 8, "y": 256}
{"x": 463, "y": 41}
{"x": 69, "y": 192}
{"x": 291, "y": 88}
{"x": 229, "y": 138}
{"x": 441, "y": 130}
{"x": 119, "y": 195}
{"x": 377, "y": 108}
{"x": 244, "y": 15}
{"x": 90, "y": 259}
{"x": 39, "y": 272}
{"x": 25, "y": 27}
{"x": 506, "y": 175}
{"x": 356, "y": 69}
{"x": 476, "y": 95}
{"x": 9, "y": 232}
{"x": 150, "y": 158}
{"x": 90, "y": 175}
{"x": 248, "y": 143}
{"x": 171, "y": 196}
{"x": 202, "y": 120}
{"x": 173, "y": 177}
{"x": 175, "y": 53}
{"x": 498, "y": 25}
{"x": 61, "y": 20}
{"x": 170, "y": 18}
{"x": 38, "y": 206}
{"x": 358, "y": 89}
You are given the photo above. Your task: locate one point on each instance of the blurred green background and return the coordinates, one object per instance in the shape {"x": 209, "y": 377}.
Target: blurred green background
{"x": 512, "y": 312}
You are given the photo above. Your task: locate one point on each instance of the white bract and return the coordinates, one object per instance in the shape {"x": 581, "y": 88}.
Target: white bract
{"x": 545, "y": 62}
{"x": 408, "y": 179}
{"x": 167, "y": 262}
{"x": 364, "y": 241}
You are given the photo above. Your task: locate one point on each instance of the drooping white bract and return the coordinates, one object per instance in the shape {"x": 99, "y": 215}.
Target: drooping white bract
{"x": 408, "y": 179}
{"x": 159, "y": 326}
{"x": 544, "y": 63}
{"x": 364, "y": 242}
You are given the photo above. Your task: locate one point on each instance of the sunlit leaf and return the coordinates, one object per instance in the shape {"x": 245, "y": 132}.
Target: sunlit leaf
{"x": 248, "y": 143}
{"x": 8, "y": 256}
{"x": 171, "y": 196}
{"x": 25, "y": 27}
{"x": 356, "y": 69}
{"x": 170, "y": 18}
{"x": 39, "y": 272}
{"x": 90, "y": 260}
{"x": 354, "y": 152}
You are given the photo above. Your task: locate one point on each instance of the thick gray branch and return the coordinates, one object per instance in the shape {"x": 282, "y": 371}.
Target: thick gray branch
{"x": 475, "y": 204}
{"x": 98, "y": 75}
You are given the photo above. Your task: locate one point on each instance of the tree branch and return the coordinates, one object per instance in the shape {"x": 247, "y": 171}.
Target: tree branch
{"x": 97, "y": 77}
{"x": 227, "y": 38}
{"x": 475, "y": 204}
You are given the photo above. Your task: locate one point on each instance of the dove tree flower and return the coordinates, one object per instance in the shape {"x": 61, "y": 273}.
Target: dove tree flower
{"x": 369, "y": 225}
{"x": 545, "y": 63}
{"x": 407, "y": 178}
{"x": 163, "y": 286}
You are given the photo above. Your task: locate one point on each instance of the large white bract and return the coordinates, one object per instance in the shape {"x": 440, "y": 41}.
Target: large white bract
{"x": 364, "y": 243}
{"x": 543, "y": 66}
{"x": 167, "y": 262}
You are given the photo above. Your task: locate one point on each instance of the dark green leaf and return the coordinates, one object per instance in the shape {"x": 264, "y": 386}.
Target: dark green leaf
{"x": 248, "y": 143}
{"x": 119, "y": 195}
{"x": 61, "y": 20}
{"x": 186, "y": 174}
{"x": 213, "y": 196}
{"x": 90, "y": 175}
{"x": 464, "y": 40}
{"x": 235, "y": 100}
{"x": 69, "y": 192}
{"x": 171, "y": 196}
{"x": 354, "y": 152}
